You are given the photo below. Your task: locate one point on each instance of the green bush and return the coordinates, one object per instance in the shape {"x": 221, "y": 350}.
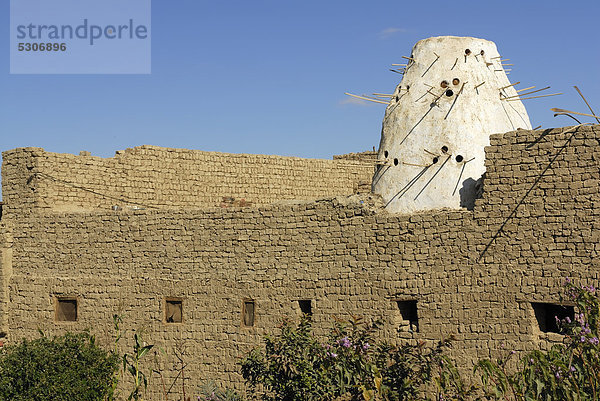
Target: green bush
{"x": 351, "y": 365}
{"x": 211, "y": 392}
{"x": 295, "y": 366}
{"x": 290, "y": 368}
{"x": 69, "y": 367}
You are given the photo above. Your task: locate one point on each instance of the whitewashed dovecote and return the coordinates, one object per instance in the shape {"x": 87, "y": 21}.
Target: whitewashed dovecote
{"x": 454, "y": 93}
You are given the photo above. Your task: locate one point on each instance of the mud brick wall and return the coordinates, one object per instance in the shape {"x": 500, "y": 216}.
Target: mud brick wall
{"x": 5, "y": 274}
{"x": 154, "y": 177}
{"x": 473, "y": 274}
{"x": 540, "y": 215}
{"x": 368, "y": 156}
{"x": 345, "y": 257}
{"x": 18, "y": 188}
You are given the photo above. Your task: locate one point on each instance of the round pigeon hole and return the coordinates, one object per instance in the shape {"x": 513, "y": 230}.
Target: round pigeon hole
{"x": 435, "y": 160}
{"x": 385, "y": 154}
{"x": 395, "y": 162}
{"x": 449, "y": 92}
{"x": 444, "y": 84}
{"x": 444, "y": 148}
{"x": 482, "y": 53}
{"x": 455, "y": 81}
{"x": 459, "y": 158}
{"x": 467, "y": 51}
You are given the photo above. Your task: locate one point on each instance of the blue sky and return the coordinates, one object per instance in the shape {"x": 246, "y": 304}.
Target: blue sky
{"x": 269, "y": 76}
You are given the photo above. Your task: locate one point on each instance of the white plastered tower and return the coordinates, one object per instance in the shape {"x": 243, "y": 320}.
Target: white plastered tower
{"x": 453, "y": 95}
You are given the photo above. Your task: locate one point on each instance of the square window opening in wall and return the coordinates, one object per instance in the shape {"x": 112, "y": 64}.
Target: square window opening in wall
{"x": 173, "y": 310}
{"x": 248, "y": 310}
{"x": 547, "y": 313}
{"x": 65, "y": 309}
{"x": 305, "y": 306}
{"x": 408, "y": 319}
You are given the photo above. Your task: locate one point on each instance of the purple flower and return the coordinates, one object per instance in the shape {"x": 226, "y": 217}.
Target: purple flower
{"x": 365, "y": 346}
{"x": 345, "y": 342}
{"x": 332, "y": 354}
{"x": 594, "y": 340}
{"x": 557, "y": 375}
{"x": 572, "y": 368}
{"x": 568, "y": 319}
{"x": 530, "y": 360}
{"x": 513, "y": 352}
{"x": 582, "y": 339}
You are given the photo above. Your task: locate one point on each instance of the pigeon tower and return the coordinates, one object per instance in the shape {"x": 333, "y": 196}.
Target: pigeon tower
{"x": 454, "y": 93}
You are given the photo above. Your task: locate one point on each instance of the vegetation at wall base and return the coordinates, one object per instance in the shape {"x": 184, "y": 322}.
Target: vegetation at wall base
{"x": 211, "y": 392}
{"x": 69, "y": 367}
{"x": 295, "y": 366}
{"x": 132, "y": 364}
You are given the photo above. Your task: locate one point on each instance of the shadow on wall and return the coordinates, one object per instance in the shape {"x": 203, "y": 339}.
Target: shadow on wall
{"x": 471, "y": 190}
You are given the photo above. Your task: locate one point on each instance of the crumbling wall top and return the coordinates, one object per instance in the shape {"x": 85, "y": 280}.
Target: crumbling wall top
{"x": 155, "y": 177}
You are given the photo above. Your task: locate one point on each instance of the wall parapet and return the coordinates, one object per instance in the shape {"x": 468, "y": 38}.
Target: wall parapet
{"x": 155, "y": 177}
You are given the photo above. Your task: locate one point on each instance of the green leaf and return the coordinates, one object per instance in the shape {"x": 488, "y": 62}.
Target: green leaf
{"x": 145, "y": 350}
